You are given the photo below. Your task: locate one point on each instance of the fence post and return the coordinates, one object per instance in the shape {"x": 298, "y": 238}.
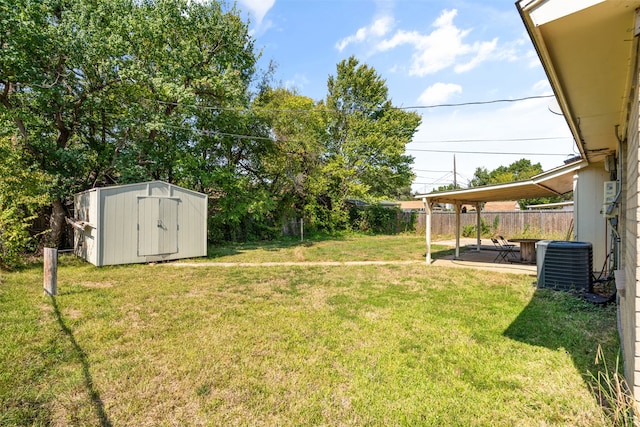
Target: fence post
{"x": 302, "y": 229}
{"x": 51, "y": 271}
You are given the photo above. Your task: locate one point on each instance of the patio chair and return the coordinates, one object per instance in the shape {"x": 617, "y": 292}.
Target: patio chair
{"x": 504, "y": 253}
{"x": 509, "y": 247}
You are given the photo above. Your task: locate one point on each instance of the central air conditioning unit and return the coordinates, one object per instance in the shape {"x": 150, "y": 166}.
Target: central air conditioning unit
{"x": 565, "y": 265}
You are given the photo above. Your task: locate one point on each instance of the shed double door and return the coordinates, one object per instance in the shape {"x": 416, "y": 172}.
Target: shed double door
{"x": 157, "y": 226}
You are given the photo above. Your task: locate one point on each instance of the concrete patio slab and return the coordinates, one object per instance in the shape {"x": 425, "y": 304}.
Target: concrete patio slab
{"x": 485, "y": 259}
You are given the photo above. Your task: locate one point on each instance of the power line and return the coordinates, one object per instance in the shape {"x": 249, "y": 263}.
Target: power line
{"x": 432, "y": 183}
{"x": 207, "y": 132}
{"x": 550, "y": 138}
{"x": 265, "y": 138}
{"x": 427, "y": 170}
{"x": 483, "y": 152}
{"x": 304, "y": 110}
{"x": 464, "y": 104}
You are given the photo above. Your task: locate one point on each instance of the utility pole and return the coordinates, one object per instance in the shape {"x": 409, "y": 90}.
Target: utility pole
{"x": 455, "y": 174}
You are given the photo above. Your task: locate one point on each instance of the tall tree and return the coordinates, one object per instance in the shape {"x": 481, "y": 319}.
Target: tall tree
{"x": 56, "y": 92}
{"x": 519, "y": 170}
{"x": 22, "y": 195}
{"x": 297, "y": 126}
{"x": 108, "y": 91}
{"x": 190, "y": 62}
{"x": 367, "y": 136}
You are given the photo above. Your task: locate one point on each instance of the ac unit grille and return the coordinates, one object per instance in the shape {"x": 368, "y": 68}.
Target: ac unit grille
{"x": 567, "y": 266}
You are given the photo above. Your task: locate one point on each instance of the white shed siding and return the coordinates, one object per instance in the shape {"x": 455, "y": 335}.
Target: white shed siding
{"x": 146, "y": 222}
{"x": 86, "y": 241}
{"x": 159, "y": 189}
{"x": 192, "y": 212}
{"x": 118, "y": 206}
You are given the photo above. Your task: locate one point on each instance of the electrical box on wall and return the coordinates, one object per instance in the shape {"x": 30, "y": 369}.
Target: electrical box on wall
{"x": 610, "y": 191}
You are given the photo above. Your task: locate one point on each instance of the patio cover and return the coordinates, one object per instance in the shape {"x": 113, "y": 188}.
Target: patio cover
{"x": 555, "y": 182}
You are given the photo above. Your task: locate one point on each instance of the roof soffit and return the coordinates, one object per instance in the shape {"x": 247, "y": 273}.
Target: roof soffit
{"x": 588, "y": 56}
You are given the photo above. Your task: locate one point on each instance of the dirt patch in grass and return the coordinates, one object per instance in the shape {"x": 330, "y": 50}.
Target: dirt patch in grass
{"x": 298, "y": 254}
{"x": 97, "y": 285}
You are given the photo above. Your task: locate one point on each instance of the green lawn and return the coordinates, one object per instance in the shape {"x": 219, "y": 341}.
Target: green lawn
{"x": 348, "y": 248}
{"x": 336, "y": 345}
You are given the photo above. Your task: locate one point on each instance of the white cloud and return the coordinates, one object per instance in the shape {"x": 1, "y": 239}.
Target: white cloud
{"x": 542, "y": 87}
{"x": 439, "y": 93}
{"x": 378, "y": 28}
{"x": 484, "y": 51}
{"x": 444, "y": 47}
{"x": 533, "y": 59}
{"x": 298, "y": 82}
{"x": 258, "y": 8}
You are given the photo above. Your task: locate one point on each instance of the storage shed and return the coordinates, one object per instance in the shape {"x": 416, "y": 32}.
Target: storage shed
{"x": 136, "y": 223}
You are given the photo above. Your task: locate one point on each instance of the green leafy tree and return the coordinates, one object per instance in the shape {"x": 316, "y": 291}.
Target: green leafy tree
{"x": 23, "y": 190}
{"x": 59, "y": 69}
{"x": 365, "y": 154}
{"x": 192, "y": 64}
{"x": 448, "y": 187}
{"x": 297, "y": 126}
{"x": 114, "y": 91}
{"x": 519, "y": 170}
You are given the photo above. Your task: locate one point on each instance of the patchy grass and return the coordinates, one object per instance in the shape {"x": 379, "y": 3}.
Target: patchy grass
{"x": 349, "y": 345}
{"x": 407, "y": 247}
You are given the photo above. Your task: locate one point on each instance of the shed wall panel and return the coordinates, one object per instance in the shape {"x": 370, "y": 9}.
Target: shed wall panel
{"x": 180, "y": 212}
{"x": 192, "y": 212}
{"x": 119, "y": 225}
{"x": 159, "y": 189}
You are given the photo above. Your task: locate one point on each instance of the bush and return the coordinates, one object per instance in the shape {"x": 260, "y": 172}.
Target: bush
{"x": 22, "y": 194}
{"x": 471, "y": 230}
{"x": 380, "y": 219}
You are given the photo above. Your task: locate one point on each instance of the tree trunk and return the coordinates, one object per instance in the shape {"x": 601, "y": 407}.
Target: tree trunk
{"x": 56, "y": 224}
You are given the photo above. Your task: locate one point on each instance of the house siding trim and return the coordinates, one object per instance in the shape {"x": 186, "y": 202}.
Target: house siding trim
{"x": 629, "y": 210}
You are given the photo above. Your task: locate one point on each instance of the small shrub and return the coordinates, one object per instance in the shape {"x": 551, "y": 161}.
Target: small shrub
{"x": 496, "y": 224}
{"x": 379, "y": 219}
{"x": 471, "y": 230}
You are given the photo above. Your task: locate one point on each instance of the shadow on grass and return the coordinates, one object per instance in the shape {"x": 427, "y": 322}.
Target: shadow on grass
{"x": 561, "y": 320}
{"x": 81, "y": 356}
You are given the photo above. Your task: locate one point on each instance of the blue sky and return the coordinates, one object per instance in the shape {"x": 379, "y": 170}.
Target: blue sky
{"x": 429, "y": 52}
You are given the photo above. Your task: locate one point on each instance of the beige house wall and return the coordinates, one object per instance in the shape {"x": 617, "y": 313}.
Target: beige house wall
{"x": 629, "y": 317}
{"x": 590, "y": 225}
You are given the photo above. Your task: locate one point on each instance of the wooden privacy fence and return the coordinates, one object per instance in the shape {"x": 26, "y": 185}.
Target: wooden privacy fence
{"x": 548, "y": 223}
